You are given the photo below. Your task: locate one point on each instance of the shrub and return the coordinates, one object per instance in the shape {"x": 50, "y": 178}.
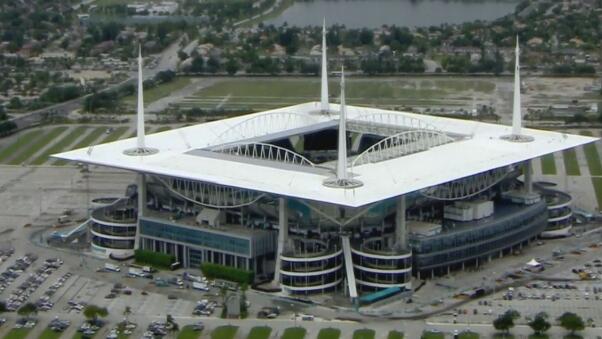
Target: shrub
{"x": 157, "y": 259}
{"x": 215, "y": 271}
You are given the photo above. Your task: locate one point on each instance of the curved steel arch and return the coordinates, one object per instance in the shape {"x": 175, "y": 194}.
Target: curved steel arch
{"x": 395, "y": 119}
{"x": 263, "y": 151}
{"x": 263, "y": 124}
{"x": 466, "y": 187}
{"x": 210, "y": 195}
{"x": 401, "y": 144}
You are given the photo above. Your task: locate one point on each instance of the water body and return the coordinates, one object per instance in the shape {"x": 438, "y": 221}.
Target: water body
{"x": 374, "y": 13}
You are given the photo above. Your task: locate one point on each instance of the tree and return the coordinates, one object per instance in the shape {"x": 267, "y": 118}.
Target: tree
{"x": 232, "y": 66}
{"x": 92, "y": 312}
{"x": 506, "y": 321}
{"x": 540, "y": 323}
{"x": 27, "y": 309}
{"x": 197, "y": 64}
{"x": 571, "y": 322}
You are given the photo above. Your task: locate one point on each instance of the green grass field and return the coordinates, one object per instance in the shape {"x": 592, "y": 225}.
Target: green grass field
{"x": 329, "y": 333}
{"x": 85, "y": 142}
{"x": 395, "y": 335}
{"x": 60, "y": 145}
{"x": 33, "y": 147}
{"x": 17, "y": 333}
{"x": 22, "y": 140}
{"x": 158, "y": 92}
{"x": 50, "y": 334}
{"x": 162, "y": 129}
{"x": 468, "y": 335}
{"x": 592, "y": 156}
{"x": 294, "y": 333}
{"x": 571, "y": 164}
{"x": 432, "y": 335}
{"x": 597, "y": 182}
{"x": 548, "y": 165}
{"x": 224, "y": 332}
{"x": 260, "y": 332}
{"x": 115, "y": 135}
{"x": 188, "y": 332}
{"x": 364, "y": 334}
{"x": 265, "y": 93}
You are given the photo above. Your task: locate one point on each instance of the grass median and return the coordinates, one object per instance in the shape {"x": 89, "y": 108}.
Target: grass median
{"x": 60, "y": 145}
{"x": 329, "y": 333}
{"x": 188, "y": 332}
{"x": 571, "y": 165}
{"x": 85, "y": 142}
{"x": 224, "y": 332}
{"x": 548, "y": 165}
{"x": 260, "y": 332}
{"x": 23, "y": 139}
{"x": 35, "y": 146}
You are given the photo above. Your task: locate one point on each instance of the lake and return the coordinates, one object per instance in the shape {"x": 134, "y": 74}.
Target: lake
{"x": 374, "y": 13}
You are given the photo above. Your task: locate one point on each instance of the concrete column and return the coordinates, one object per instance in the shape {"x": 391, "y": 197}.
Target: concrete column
{"x": 282, "y": 236}
{"x": 528, "y": 173}
{"x": 141, "y": 183}
{"x": 400, "y": 223}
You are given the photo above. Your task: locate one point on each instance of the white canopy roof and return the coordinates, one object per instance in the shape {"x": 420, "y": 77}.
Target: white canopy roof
{"x": 533, "y": 263}
{"x": 481, "y": 151}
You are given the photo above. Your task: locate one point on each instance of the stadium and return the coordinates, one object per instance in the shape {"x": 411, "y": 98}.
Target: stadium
{"x": 322, "y": 197}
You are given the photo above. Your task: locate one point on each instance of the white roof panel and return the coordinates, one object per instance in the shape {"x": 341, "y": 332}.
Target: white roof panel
{"x": 482, "y": 151}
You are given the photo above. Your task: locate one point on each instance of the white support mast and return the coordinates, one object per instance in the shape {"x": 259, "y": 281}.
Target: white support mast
{"x": 324, "y": 89}
{"x": 140, "y": 148}
{"x": 140, "y": 113}
{"x": 517, "y": 132}
{"x": 516, "y": 109}
{"x": 342, "y": 149}
{"x": 342, "y": 179}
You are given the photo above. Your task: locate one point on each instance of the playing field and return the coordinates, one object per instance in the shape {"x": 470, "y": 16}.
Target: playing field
{"x": 256, "y": 94}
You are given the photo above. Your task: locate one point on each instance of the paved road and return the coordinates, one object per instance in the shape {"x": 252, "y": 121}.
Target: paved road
{"x": 168, "y": 60}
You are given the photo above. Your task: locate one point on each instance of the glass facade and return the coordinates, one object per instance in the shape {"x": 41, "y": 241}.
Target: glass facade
{"x": 491, "y": 236}
{"x": 196, "y": 237}
{"x": 116, "y": 244}
{"x": 117, "y": 231}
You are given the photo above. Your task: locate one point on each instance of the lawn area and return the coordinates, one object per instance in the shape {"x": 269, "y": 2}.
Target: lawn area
{"x": 570, "y": 162}
{"x": 294, "y": 333}
{"x": 260, "y": 332}
{"x": 37, "y": 144}
{"x": 60, "y": 145}
{"x": 432, "y": 335}
{"x": 115, "y": 135}
{"x": 468, "y": 335}
{"x": 597, "y": 182}
{"x": 85, "y": 142}
{"x": 548, "y": 165}
{"x": 592, "y": 156}
{"x": 22, "y": 140}
{"x": 158, "y": 92}
{"x": 329, "y": 333}
{"x": 162, "y": 129}
{"x": 188, "y": 332}
{"x": 257, "y": 94}
{"x": 224, "y": 332}
{"x": 50, "y": 334}
{"x": 363, "y": 334}
{"x": 17, "y": 333}
{"x": 395, "y": 335}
